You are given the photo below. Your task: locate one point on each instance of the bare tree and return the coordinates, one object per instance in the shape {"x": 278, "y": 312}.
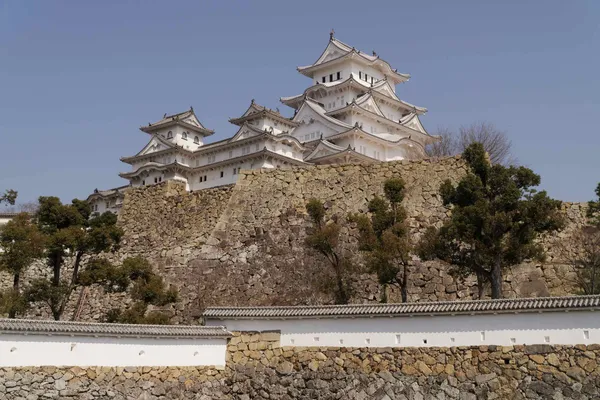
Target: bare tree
{"x": 446, "y": 146}
{"x": 494, "y": 141}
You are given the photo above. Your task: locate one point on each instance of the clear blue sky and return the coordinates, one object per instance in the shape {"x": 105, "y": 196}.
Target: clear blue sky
{"x": 77, "y": 78}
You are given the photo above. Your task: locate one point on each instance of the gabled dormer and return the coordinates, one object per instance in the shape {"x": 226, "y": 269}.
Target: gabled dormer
{"x": 263, "y": 118}
{"x": 183, "y": 129}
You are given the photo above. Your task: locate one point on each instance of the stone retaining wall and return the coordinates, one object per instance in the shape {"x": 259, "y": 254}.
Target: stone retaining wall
{"x": 258, "y": 368}
{"x": 244, "y": 244}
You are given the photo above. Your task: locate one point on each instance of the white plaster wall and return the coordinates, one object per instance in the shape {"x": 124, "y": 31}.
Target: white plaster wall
{"x": 39, "y": 350}
{"x": 307, "y": 132}
{"x": 4, "y": 220}
{"x": 389, "y": 112}
{"x": 581, "y": 327}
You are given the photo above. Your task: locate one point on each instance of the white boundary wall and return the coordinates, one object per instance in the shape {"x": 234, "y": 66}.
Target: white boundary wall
{"x": 17, "y": 350}
{"x": 561, "y": 327}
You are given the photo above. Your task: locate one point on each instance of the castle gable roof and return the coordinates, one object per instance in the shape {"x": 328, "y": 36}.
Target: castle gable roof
{"x": 337, "y": 51}
{"x": 311, "y": 109}
{"x": 186, "y": 119}
{"x": 255, "y": 111}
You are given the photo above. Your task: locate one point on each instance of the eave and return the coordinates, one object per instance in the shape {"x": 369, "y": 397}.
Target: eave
{"x": 353, "y": 107}
{"x": 347, "y": 155}
{"x": 262, "y": 114}
{"x": 153, "y": 128}
{"x": 296, "y": 101}
{"x": 387, "y": 70}
{"x": 235, "y": 160}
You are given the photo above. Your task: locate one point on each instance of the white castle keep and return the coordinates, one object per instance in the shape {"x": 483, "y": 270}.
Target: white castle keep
{"x": 350, "y": 114}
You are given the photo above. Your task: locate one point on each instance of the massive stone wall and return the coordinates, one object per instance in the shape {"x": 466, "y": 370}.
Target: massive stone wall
{"x": 244, "y": 244}
{"x": 258, "y": 368}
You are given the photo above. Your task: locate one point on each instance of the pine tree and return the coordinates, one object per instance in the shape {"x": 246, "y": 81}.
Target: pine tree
{"x": 497, "y": 215}
{"x": 384, "y": 237}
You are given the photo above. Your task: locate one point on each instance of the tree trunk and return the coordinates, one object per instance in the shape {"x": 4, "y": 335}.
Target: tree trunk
{"x": 56, "y": 269}
{"x": 78, "y": 257}
{"x": 12, "y": 312}
{"x": 496, "y": 281}
{"x": 16, "y": 281}
{"x": 480, "y": 285}
{"x": 404, "y": 285}
{"x": 384, "y": 296}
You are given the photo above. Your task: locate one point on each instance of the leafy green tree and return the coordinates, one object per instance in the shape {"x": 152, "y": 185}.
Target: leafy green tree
{"x": 384, "y": 236}
{"x": 148, "y": 289}
{"x": 9, "y": 196}
{"x": 594, "y": 209}
{"x": 497, "y": 215}
{"x": 22, "y": 243}
{"x": 72, "y": 233}
{"x": 323, "y": 237}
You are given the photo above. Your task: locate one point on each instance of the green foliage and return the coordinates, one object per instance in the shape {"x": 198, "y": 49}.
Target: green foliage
{"x": 21, "y": 243}
{"x": 9, "y": 196}
{"x": 72, "y": 233}
{"x": 384, "y": 236}
{"x": 497, "y": 216}
{"x": 13, "y": 303}
{"x": 45, "y": 291}
{"x": 323, "y": 237}
{"x": 594, "y": 209}
{"x": 136, "y": 314}
{"x": 148, "y": 289}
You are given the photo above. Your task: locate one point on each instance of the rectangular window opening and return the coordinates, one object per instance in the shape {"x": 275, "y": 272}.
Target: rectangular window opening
{"x": 324, "y": 79}
{"x": 482, "y": 336}
{"x": 547, "y": 339}
{"x": 398, "y": 339}
{"x": 221, "y": 174}
{"x": 339, "y": 75}
{"x": 513, "y": 340}
{"x": 586, "y": 334}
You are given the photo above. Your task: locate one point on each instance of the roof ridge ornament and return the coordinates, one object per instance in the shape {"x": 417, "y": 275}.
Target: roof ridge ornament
{"x": 375, "y": 54}
{"x": 331, "y": 33}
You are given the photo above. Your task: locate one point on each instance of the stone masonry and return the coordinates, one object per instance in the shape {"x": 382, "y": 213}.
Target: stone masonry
{"x": 244, "y": 244}
{"x": 258, "y": 368}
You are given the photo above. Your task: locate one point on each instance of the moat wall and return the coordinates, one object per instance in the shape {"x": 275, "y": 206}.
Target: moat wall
{"x": 244, "y": 244}
{"x": 259, "y": 368}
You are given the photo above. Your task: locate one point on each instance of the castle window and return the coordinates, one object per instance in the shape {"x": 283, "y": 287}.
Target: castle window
{"x": 366, "y": 78}
{"x": 235, "y": 171}
{"x": 196, "y": 140}
{"x": 339, "y": 75}
{"x": 160, "y": 178}
{"x": 143, "y": 183}
{"x": 371, "y": 80}
{"x": 330, "y": 77}
{"x": 221, "y": 174}
{"x": 360, "y": 74}
{"x": 155, "y": 180}
{"x": 184, "y": 136}
{"x": 324, "y": 79}
{"x": 200, "y": 180}
{"x": 204, "y": 178}
{"x": 170, "y": 135}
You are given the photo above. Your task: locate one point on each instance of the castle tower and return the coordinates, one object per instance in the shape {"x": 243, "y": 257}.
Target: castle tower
{"x": 352, "y": 112}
